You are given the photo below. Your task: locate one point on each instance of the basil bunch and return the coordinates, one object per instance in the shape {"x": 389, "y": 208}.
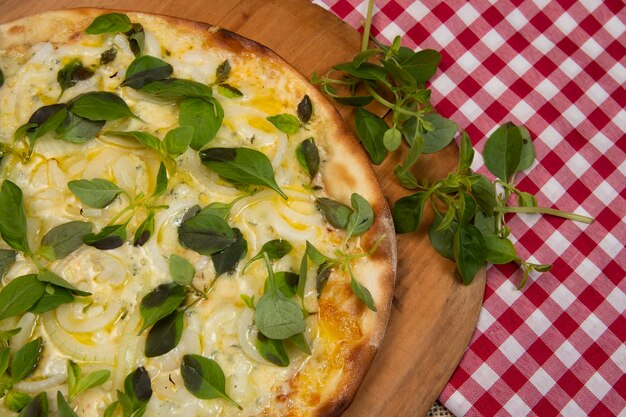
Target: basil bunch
{"x": 16, "y": 369}
{"x": 116, "y": 23}
{"x": 290, "y": 124}
{"x": 135, "y": 397}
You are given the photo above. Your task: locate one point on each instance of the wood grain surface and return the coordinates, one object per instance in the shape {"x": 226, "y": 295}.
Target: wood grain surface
{"x": 433, "y": 315}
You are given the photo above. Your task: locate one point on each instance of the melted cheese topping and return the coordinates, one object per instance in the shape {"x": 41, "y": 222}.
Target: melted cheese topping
{"x": 100, "y": 332}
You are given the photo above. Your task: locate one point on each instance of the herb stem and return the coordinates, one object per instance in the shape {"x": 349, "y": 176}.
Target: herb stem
{"x": 390, "y": 105}
{"x": 546, "y": 210}
{"x": 367, "y": 26}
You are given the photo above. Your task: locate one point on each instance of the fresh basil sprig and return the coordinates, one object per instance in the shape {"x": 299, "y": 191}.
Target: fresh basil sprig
{"x": 144, "y": 70}
{"x": 13, "y": 227}
{"x": 225, "y": 261}
{"x": 275, "y": 249}
{"x": 37, "y": 407}
{"x": 97, "y": 193}
{"x": 78, "y": 383}
{"x": 109, "y": 23}
{"x": 308, "y": 157}
{"x": 72, "y": 73}
{"x": 100, "y": 105}
{"x": 204, "y": 115}
{"x": 62, "y": 240}
{"x": 204, "y": 378}
{"x": 221, "y": 76}
{"x": 160, "y": 302}
{"x": 64, "y": 408}
{"x": 137, "y": 393}
{"x": 16, "y": 401}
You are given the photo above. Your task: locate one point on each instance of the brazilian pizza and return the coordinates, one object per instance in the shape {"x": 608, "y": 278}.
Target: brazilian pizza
{"x": 188, "y": 229}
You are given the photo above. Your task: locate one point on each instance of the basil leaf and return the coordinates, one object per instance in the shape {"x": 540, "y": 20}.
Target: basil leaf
{"x": 175, "y": 88}
{"x": 204, "y": 378}
{"x": 275, "y": 249}
{"x": 100, "y": 105}
{"x": 161, "y": 182}
{"x": 26, "y": 129}
{"x": 299, "y": 341}
{"x": 392, "y": 139}
{"x": 181, "y": 270}
{"x": 229, "y": 91}
{"x": 136, "y": 38}
{"x": 366, "y": 70}
{"x": 241, "y": 165}
{"x": 225, "y": 262}
{"x": 286, "y": 283}
{"x": 25, "y": 360}
{"x": 526, "y": 199}
{"x": 109, "y": 23}
{"x": 5, "y": 354}
{"x": 52, "y": 278}
{"x": 486, "y": 224}
{"x": 177, "y": 140}
{"x": 13, "y": 227}
{"x": 16, "y": 401}
{"x": 147, "y": 139}
{"x": 363, "y": 293}
{"x": 7, "y": 259}
{"x": 308, "y": 157}
{"x": 466, "y": 153}
{"x": 221, "y": 210}
{"x": 335, "y": 213}
{"x": 64, "y": 408}
{"x": 469, "y": 251}
{"x": 164, "y": 335}
{"x": 503, "y": 150}
{"x": 145, "y": 230}
{"x": 371, "y": 129}
{"x": 321, "y": 277}
{"x": 222, "y": 72}
{"x": 160, "y": 302}
{"x": 499, "y": 250}
{"x": 110, "y": 237}
{"x": 484, "y": 192}
{"x": 37, "y": 407}
{"x": 72, "y": 73}
{"x": 138, "y": 389}
{"x": 52, "y": 298}
{"x": 467, "y": 208}
{"x": 402, "y": 77}
{"x": 315, "y": 255}
{"x": 422, "y": 64}
{"x": 110, "y": 410}
{"x": 46, "y": 119}
{"x": 64, "y": 239}
{"x": 442, "y": 134}
{"x": 305, "y": 109}
{"x": 278, "y": 317}
{"x": 286, "y": 123}
{"x": 443, "y": 239}
{"x": 356, "y": 101}
{"x": 76, "y": 129}
{"x": 144, "y": 70}
{"x": 76, "y": 383}
{"x": 108, "y": 56}
{"x": 19, "y": 295}
{"x": 272, "y": 350}
{"x": 527, "y": 156}
{"x": 407, "y": 212}
{"x": 97, "y": 193}
{"x": 206, "y": 234}
{"x": 303, "y": 273}
{"x": 204, "y": 115}
{"x": 362, "y": 218}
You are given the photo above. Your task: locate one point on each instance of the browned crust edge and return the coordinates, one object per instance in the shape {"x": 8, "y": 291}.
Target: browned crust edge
{"x": 363, "y": 353}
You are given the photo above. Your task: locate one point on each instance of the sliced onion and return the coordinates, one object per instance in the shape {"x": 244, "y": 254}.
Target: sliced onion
{"x": 247, "y": 334}
{"x": 71, "y": 319}
{"x": 37, "y": 386}
{"x": 127, "y": 349}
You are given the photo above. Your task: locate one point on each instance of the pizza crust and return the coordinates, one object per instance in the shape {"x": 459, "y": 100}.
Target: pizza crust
{"x": 345, "y": 169}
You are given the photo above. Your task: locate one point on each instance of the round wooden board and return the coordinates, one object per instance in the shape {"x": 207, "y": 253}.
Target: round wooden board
{"x": 433, "y": 315}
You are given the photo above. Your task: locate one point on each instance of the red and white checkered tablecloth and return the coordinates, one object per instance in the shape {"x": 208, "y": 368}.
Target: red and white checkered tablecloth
{"x": 558, "y": 66}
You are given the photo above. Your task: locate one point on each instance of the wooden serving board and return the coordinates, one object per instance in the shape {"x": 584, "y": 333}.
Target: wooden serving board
{"x": 433, "y": 316}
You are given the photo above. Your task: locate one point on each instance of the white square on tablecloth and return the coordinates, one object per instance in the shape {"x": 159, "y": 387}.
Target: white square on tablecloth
{"x": 538, "y": 322}
{"x": 615, "y": 27}
{"x": 516, "y": 406}
{"x": 574, "y": 115}
{"x": 592, "y": 48}
{"x": 479, "y": 162}
{"x": 391, "y": 31}
{"x": 443, "y": 36}
{"x": 566, "y": 23}
{"x": 519, "y": 65}
{"x": 570, "y": 68}
{"x": 588, "y": 270}
{"x": 551, "y": 137}
{"x": 542, "y": 381}
{"x": 523, "y": 111}
{"x": 598, "y": 385}
{"x": 605, "y": 192}
{"x": 443, "y": 84}
{"x": 558, "y": 243}
{"x": 495, "y": 87}
{"x": 508, "y": 293}
{"x": 467, "y": 13}
{"x": 493, "y": 40}
{"x": 621, "y": 168}
{"x": 461, "y": 404}
{"x": 485, "y": 376}
{"x": 541, "y": 3}
{"x": 619, "y": 357}
{"x": 485, "y": 320}
{"x": 468, "y": 62}
{"x": 578, "y": 164}
{"x": 597, "y": 93}
{"x": 593, "y": 326}
{"x": 611, "y": 245}
{"x": 543, "y": 44}
{"x": 553, "y": 190}
{"x": 511, "y": 349}
{"x": 562, "y": 296}
{"x": 618, "y": 73}
{"x": 620, "y": 119}
{"x": 471, "y": 110}
{"x": 617, "y": 298}
{"x": 547, "y": 89}
{"x": 517, "y": 19}
{"x": 602, "y": 143}
{"x": 567, "y": 354}
{"x": 572, "y": 409}
{"x": 591, "y": 5}
{"x": 417, "y": 10}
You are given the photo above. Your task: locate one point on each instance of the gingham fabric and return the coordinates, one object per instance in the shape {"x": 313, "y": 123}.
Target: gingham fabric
{"x": 557, "y": 66}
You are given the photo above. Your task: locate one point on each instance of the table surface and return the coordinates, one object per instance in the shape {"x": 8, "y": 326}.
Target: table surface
{"x": 558, "y": 346}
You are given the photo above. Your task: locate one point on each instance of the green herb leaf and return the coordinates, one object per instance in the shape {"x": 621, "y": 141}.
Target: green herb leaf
{"x": 7, "y": 259}
{"x": 144, "y": 70}
{"x": 278, "y": 317}
{"x": 469, "y": 251}
{"x": 64, "y": 239}
{"x": 136, "y": 39}
{"x": 442, "y": 134}
{"x": 305, "y": 109}
{"x": 204, "y": 378}
{"x": 1, "y": 78}
{"x": 299, "y": 341}
{"x": 164, "y": 335}
{"x": 46, "y": 119}
{"x": 241, "y": 165}
{"x": 25, "y": 360}
{"x": 206, "y": 234}
{"x": 286, "y": 283}
{"x": 52, "y": 278}
{"x": 5, "y": 354}
{"x": 392, "y": 139}
{"x": 19, "y": 295}
{"x": 110, "y": 237}
{"x": 407, "y": 212}
{"x": 177, "y": 140}
{"x": 484, "y": 192}
{"x": 13, "y": 228}
{"x": 161, "y": 182}
{"x": 334, "y": 212}
{"x": 287, "y": 123}
{"x": 76, "y": 129}
{"x": 315, "y": 255}
{"x": 308, "y": 157}
{"x": 356, "y": 101}
{"x": 363, "y": 293}
{"x": 147, "y": 139}
{"x": 64, "y": 408}
{"x": 175, "y": 88}
{"x": 221, "y": 210}
{"x": 499, "y": 250}
{"x": 526, "y": 199}
{"x": 100, "y": 105}
{"x": 422, "y": 64}
{"x": 137, "y": 393}
{"x": 181, "y": 270}
{"x": 443, "y": 239}
{"x": 275, "y": 249}
{"x": 272, "y": 350}
{"x": 362, "y": 218}
{"x": 160, "y": 302}
{"x": 204, "y": 115}
{"x": 109, "y": 23}
{"x": 37, "y": 407}
{"x": 77, "y": 383}
{"x": 108, "y": 56}
{"x": 466, "y": 153}
{"x": 371, "y": 129}
{"x": 52, "y": 298}
{"x": 503, "y": 150}
{"x": 366, "y": 71}
{"x": 527, "y": 156}
{"x": 222, "y": 72}
{"x": 72, "y": 73}
{"x": 229, "y": 91}
{"x": 225, "y": 262}
{"x": 145, "y": 230}
{"x": 16, "y": 401}
{"x": 97, "y": 193}
{"x": 110, "y": 410}
{"x": 323, "y": 273}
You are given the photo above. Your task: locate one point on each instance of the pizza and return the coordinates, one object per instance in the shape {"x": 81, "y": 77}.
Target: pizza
{"x": 188, "y": 228}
